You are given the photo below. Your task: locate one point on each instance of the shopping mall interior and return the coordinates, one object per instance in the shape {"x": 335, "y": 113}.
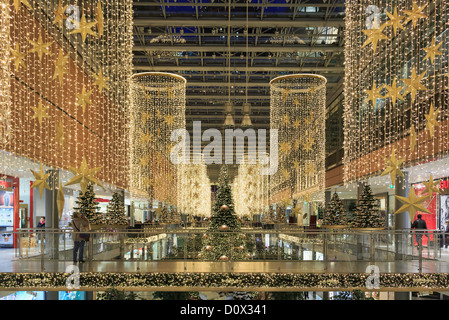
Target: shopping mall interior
{"x": 198, "y": 150}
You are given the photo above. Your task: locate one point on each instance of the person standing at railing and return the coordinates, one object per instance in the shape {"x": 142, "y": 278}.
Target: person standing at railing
{"x": 40, "y": 225}
{"x": 79, "y": 223}
{"x": 419, "y": 224}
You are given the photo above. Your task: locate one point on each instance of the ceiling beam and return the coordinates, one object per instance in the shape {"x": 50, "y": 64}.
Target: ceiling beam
{"x": 237, "y": 4}
{"x": 281, "y": 23}
{"x": 236, "y": 84}
{"x": 337, "y": 70}
{"x": 222, "y": 48}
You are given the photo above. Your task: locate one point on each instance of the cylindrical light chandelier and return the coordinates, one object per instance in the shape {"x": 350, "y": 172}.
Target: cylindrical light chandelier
{"x": 396, "y": 77}
{"x": 194, "y": 190}
{"x": 157, "y": 108}
{"x": 250, "y": 190}
{"x": 297, "y": 111}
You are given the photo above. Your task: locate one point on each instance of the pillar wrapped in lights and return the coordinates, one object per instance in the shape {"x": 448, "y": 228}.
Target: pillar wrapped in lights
{"x": 157, "y": 108}
{"x": 396, "y": 79}
{"x": 297, "y": 111}
{"x": 5, "y": 71}
{"x": 250, "y": 190}
{"x": 194, "y": 190}
{"x": 69, "y": 85}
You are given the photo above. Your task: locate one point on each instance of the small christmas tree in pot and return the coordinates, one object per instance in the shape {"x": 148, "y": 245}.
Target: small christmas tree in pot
{"x": 367, "y": 215}
{"x": 115, "y": 215}
{"x": 87, "y": 206}
{"x": 334, "y": 215}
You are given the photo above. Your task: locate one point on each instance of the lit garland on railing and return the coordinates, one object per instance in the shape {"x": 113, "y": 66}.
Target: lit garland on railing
{"x": 256, "y": 281}
{"x": 297, "y": 110}
{"x": 250, "y": 190}
{"x": 158, "y": 107}
{"x": 396, "y": 73}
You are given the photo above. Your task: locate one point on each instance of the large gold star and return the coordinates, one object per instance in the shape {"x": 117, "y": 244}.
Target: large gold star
{"x": 84, "y": 28}
{"x": 412, "y": 138}
{"x": 394, "y": 92}
{"x": 40, "y": 112}
{"x": 373, "y": 94}
{"x": 40, "y": 47}
{"x": 432, "y": 121}
{"x": 84, "y": 176}
{"x": 144, "y": 160}
{"x": 431, "y": 186}
{"x": 411, "y": 204}
{"x": 18, "y": 57}
{"x": 432, "y": 51}
{"x": 393, "y": 167}
{"x": 169, "y": 120}
{"x": 414, "y": 84}
{"x": 146, "y": 138}
{"x": 296, "y": 123}
{"x": 296, "y": 165}
{"x": 100, "y": 20}
{"x": 40, "y": 180}
{"x": 60, "y": 133}
{"x": 394, "y": 20}
{"x": 60, "y": 14}
{"x": 25, "y": 3}
{"x": 284, "y": 147}
{"x": 60, "y": 66}
{"x": 415, "y": 14}
{"x": 374, "y": 36}
{"x": 101, "y": 81}
{"x": 83, "y": 98}
{"x": 286, "y": 120}
{"x": 308, "y": 144}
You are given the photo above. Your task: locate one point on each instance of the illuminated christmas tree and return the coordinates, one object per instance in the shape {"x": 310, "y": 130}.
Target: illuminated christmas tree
{"x": 334, "y": 213}
{"x": 367, "y": 213}
{"x": 87, "y": 206}
{"x": 116, "y": 211}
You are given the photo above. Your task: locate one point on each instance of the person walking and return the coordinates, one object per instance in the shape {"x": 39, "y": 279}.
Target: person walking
{"x": 419, "y": 224}
{"x": 79, "y": 223}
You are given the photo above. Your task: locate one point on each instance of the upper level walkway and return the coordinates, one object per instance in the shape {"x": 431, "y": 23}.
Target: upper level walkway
{"x": 285, "y": 258}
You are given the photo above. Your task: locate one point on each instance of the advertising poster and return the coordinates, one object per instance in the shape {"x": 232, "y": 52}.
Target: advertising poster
{"x": 431, "y": 204}
{"x": 444, "y": 211}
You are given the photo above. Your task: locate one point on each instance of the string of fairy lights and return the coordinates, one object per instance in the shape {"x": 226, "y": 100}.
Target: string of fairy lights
{"x": 69, "y": 76}
{"x": 5, "y": 63}
{"x": 157, "y": 108}
{"x": 396, "y": 68}
{"x": 297, "y": 111}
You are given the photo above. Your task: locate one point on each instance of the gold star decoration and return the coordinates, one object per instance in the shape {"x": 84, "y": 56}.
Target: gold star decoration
{"x": 147, "y": 182}
{"x": 309, "y": 119}
{"x": 145, "y": 160}
{"x": 414, "y": 84}
{"x": 412, "y": 138}
{"x": 25, "y": 3}
{"x": 431, "y": 186}
{"x": 373, "y": 94}
{"x": 60, "y": 64}
{"x": 101, "y": 81}
{"x": 432, "y": 121}
{"x": 432, "y": 51}
{"x": 285, "y": 93}
{"x": 146, "y": 138}
{"x": 40, "y": 180}
{"x": 284, "y": 147}
{"x": 83, "y": 98}
{"x": 40, "y": 112}
{"x": 84, "y": 176}
{"x": 310, "y": 169}
{"x": 374, "y": 36}
{"x": 296, "y": 123}
{"x": 145, "y": 117}
{"x": 308, "y": 144}
{"x": 84, "y": 28}
{"x": 296, "y": 165}
{"x": 169, "y": 120}
{"x": 18, "y": 57}
{"x": 100, "y": 20}
{"x": 286, "y": 120}
{"x": 393, "y": 167}
{"x": 394, "y": 92}
{"x": 394, "y": 20}
{"x": 296, "y": 102}
{"x": 411, "y": 204}
{"x": 60, "y": 14}
{"x": 60, "y": 200}
{"x": 285, "y": 174}
{"x": 40, "y": 47}
{"x": 60, "y": 133}
{"x": 415, "y": 14}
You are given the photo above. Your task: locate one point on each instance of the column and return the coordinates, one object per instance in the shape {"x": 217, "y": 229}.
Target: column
{"x": 360, "y": 186}
{"x": 52, "y": 215}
